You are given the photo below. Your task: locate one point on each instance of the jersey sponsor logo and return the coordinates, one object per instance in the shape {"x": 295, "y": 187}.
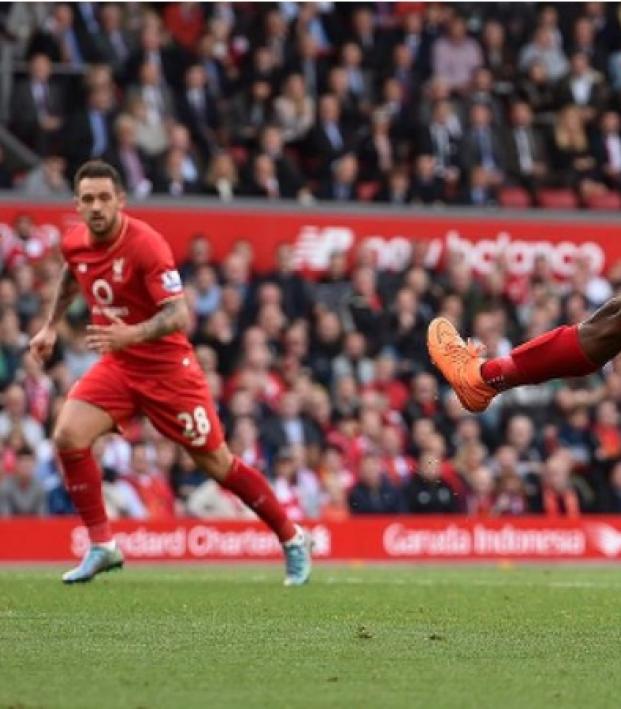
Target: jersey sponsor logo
{"x": 171, "y": 282}
{"x": 117, "y": 269}
{"x": 102, "y": 292}
{"x": 107, "y": 310}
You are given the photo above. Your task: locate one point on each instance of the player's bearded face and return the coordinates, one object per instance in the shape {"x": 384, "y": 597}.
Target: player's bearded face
{"x": 99, "y": 203}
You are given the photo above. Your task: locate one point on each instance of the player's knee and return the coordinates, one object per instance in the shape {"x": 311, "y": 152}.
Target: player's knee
{"x": 215, "y": 463}
{"x": 68, "y": 437}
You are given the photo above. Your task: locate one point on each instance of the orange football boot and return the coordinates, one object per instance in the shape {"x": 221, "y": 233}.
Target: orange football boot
{"x": 460, "y": 363}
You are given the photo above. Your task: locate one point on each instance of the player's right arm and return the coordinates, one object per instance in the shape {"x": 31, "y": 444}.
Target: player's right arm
{"x": 43, "y": 342}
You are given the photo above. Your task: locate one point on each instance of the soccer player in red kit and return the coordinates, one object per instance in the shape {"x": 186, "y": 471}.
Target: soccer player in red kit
{"x": 125, "y": 271}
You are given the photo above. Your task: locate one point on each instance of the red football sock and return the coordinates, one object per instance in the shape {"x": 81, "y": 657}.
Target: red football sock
{"x": 83, "y": 482}
{"x": 553, "y": 355}
{"x": 254, "y": 490}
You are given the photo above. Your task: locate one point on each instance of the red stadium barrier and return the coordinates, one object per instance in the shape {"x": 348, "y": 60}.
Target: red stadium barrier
{"x": 368, "y": 539}
{"x": 316, "y": 234}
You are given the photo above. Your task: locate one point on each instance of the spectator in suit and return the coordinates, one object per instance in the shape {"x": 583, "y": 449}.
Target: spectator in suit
{"x": 311, "y": 20}
{"x": 275, "y": 36}
{"x": 37, "y": 110}
{"x": 168, "y": 59}
{"x": 373, "y": 493}
{"x": 584, "y": 39}
{"x": 377, "y": 152}
{"x": 198, "y": 110}
{"x": 154, "y": 93}
{"x": 294, "y": 289}
{"x": 607, "y": 149}
{"x": 455, "y": 56}
{"x": 114, "y": 43}
{"x": 131, "y": 163}
{"x": 352, "y": 117}
{"x": 358, "y": 78}
{"x": 537, "y": 90}
{"x": 441, "y": 139}
{"x": 89, "y": 134}
{"x": 405, "y": 71}
{"x": 481, "y": 188}
{"x": 179, "y": 139}
{"x": 289, "y": 426}
{"x": 411, "y": 33}
{"x": 263, "y": 67}
{"x": 294, "y": 110}
{"x": 172, "y": 180}
{"x": 341, "y": 186}
{"x": 220, "y": 70}
{"x": 482, "y": 91}
{"x": 222, "y": 180}
{"x": 583, "y": 87}
{"x": 427, "y": 186}
{"x": 525, "y": 148}
{"x": 498, "y": 54}
{"x": 250, "y": 111}
{"x": 62, "y": 40}
{"x": 329, "y": 139}
{"x": 482, "y": 146}
{"x": 289, "y": 177}
{"x": 401, "y": 115}
{"x": 396, "y": 188}
{"x": 308, "y": 62}
{"x": 263, "y": 180}
{"x": 368, "y": 36}
{"x": 362, "y": 310}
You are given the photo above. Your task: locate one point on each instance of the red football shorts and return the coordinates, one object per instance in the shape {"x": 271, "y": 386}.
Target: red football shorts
{"x": 177, "y": 400}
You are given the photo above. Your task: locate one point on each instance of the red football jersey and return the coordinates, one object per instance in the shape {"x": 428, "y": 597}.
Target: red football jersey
{"x": 131, "y": 277}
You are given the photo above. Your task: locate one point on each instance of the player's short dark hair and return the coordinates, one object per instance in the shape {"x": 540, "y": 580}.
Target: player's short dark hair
{"x": 97, "y": 168}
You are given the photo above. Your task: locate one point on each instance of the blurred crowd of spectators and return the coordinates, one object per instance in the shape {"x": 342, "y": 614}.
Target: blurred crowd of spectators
{"x": 326, "y": 386}
{"x": 430, "y": 103}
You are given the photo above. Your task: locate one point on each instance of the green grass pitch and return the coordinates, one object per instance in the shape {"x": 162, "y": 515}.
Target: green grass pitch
{"x": 356, "y": 637}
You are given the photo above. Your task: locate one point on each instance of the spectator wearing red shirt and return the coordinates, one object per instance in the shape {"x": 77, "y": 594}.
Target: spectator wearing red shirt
{"x": 387, "y": 383}
{"x": 398, "y": 465}
{"x": 154, "y": 490}
{"x": 558, "y": 494}
{"x": 606, "y": 431}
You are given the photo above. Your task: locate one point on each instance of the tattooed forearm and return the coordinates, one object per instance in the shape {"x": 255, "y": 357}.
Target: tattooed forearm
{"x": 173, "y": 316}
{"x": 66, "y": 291}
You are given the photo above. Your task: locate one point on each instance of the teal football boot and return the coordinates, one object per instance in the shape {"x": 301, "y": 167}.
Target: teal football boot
{"x": 97, "y": 560}
{"x": 298, "y": 560}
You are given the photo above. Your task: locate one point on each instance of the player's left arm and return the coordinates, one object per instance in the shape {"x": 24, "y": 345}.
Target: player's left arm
{"x": 173, "y": 316}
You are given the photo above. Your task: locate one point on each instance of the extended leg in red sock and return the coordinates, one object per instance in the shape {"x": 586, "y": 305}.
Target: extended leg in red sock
{"x": 254, "y": 490}
{"x": 83, "y": 482}
{"x": 554, "y": 355}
